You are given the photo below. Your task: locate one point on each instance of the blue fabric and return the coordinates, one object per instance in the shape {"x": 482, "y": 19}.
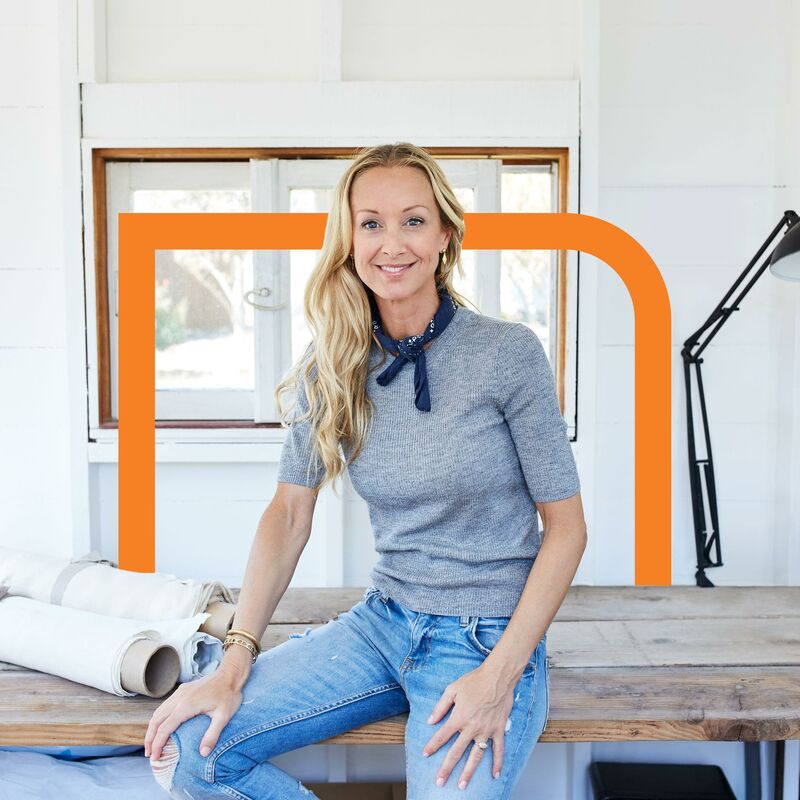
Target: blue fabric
{"x": 27, "y": 774}
{"x": 76, "y": 752}
{"x": 411, "y": 348}
{"x": 374, "y": 661}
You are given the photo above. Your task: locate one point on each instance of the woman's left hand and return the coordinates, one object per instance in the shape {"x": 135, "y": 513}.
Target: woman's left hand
{"x": 482, "y": 707}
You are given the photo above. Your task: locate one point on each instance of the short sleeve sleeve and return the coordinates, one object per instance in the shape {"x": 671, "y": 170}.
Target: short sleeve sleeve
{"x": 298, "y": 462}
{"x": 526, "y": 395}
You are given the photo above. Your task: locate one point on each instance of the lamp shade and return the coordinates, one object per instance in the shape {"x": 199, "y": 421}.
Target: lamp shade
{"x": 785, "y": 261}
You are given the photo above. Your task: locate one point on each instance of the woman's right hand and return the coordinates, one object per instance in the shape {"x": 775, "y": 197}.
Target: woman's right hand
{"x": 219, "y": 695}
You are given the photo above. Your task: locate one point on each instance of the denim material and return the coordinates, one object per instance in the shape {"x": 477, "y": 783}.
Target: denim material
{"x": 374, "y": 661}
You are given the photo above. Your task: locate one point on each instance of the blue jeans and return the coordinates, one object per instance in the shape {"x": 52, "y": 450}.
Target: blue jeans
{"x": 374, "y": 661}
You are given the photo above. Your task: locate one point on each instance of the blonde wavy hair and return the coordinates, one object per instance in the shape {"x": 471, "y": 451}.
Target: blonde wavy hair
{"x": 334, "y": 368}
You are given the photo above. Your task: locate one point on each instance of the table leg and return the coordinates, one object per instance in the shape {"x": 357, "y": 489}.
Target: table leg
{"x": 752, "y": 770}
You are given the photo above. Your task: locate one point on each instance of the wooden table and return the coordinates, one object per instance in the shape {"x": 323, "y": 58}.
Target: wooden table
{"x": 627, "y": 663}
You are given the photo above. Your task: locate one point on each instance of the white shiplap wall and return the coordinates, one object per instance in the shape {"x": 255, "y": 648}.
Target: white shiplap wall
{"x": 691, "y": 114}
{"x": 43, "y": 464}
{"x": 201, "y": 40}
{"x": 460, "y": 41}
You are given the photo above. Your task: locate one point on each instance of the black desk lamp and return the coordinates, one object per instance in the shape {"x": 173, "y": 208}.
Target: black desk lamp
{"x": 784, "y": 263}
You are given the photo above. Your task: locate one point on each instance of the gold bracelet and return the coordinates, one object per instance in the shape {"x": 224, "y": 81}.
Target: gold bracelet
{"x": 229, "y": 640}
{"x": 240, "y": 632}
{"x": 243, "y": 632}
{"x": 241, "y": 642}
{"x": 236, "y": 638}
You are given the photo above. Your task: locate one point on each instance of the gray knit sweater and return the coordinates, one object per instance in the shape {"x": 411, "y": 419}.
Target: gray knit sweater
{"x": 451, "y": 491}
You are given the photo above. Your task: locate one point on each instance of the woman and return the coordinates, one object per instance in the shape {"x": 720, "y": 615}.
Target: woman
{"x": 455, "y": 447}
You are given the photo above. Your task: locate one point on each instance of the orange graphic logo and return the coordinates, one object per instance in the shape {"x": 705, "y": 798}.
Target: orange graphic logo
{"x": 140, "y": 235}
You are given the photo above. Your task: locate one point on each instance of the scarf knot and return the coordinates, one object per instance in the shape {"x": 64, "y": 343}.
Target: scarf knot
{"x": 411, "y": 348}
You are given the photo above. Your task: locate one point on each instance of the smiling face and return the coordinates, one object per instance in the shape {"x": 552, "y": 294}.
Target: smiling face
{"x": 396, "y": 223}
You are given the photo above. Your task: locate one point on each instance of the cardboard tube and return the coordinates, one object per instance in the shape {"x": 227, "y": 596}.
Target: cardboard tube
{"x": 219, "y": 623}
{"x": 150, "y": 668}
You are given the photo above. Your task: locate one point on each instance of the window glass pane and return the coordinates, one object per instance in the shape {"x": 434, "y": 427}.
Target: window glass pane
{"x": 204, "y": 327}
{"x": 466, "y": 287}
{"x": 302, "y": 263}
{"x": 526, "y": 275}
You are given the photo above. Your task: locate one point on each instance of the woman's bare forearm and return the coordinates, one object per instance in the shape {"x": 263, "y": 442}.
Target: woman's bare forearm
{"x": 276, "y": 549}
{"x": 545, "y": 589}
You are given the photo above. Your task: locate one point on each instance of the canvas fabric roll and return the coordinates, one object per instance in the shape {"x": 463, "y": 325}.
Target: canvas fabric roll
{"x": 86, "y": 647}
{"x": 94, "y": 584}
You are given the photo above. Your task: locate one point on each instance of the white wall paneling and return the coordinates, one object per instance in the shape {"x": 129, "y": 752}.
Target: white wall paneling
{"x": 43, "y": 465}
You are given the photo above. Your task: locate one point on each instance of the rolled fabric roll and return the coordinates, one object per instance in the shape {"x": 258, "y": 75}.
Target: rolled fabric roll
{"x": 219, "y": 622}
{"x": 98, "y": 650}
{"x": 202, "y": 655}
{"x": 149, "y": 667}
{"x": 94, "y": 584}
{"x": 199, "y": 653}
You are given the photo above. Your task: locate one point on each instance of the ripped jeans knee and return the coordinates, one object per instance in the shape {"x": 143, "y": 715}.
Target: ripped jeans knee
{"x": 164, "y": 767}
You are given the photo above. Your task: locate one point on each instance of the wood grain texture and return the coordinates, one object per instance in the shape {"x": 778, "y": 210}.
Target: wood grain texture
{"x": 626, "y": 664}
{"x": 590, "y": 603}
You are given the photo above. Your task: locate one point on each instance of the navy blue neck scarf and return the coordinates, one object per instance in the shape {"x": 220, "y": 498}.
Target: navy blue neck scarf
{"x": 411, "y": 348}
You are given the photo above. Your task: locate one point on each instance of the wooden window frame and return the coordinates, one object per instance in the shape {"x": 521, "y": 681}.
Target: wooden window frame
{"x": 101, "y": 156}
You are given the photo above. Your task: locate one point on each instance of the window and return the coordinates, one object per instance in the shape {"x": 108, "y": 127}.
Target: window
{"x": 230, "y": 323}
{"x": 205, "y": 361}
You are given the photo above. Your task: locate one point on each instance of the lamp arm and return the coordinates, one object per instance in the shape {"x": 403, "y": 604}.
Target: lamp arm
{"x": 721, "y": 312}
{"x": 706, "y": 539}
